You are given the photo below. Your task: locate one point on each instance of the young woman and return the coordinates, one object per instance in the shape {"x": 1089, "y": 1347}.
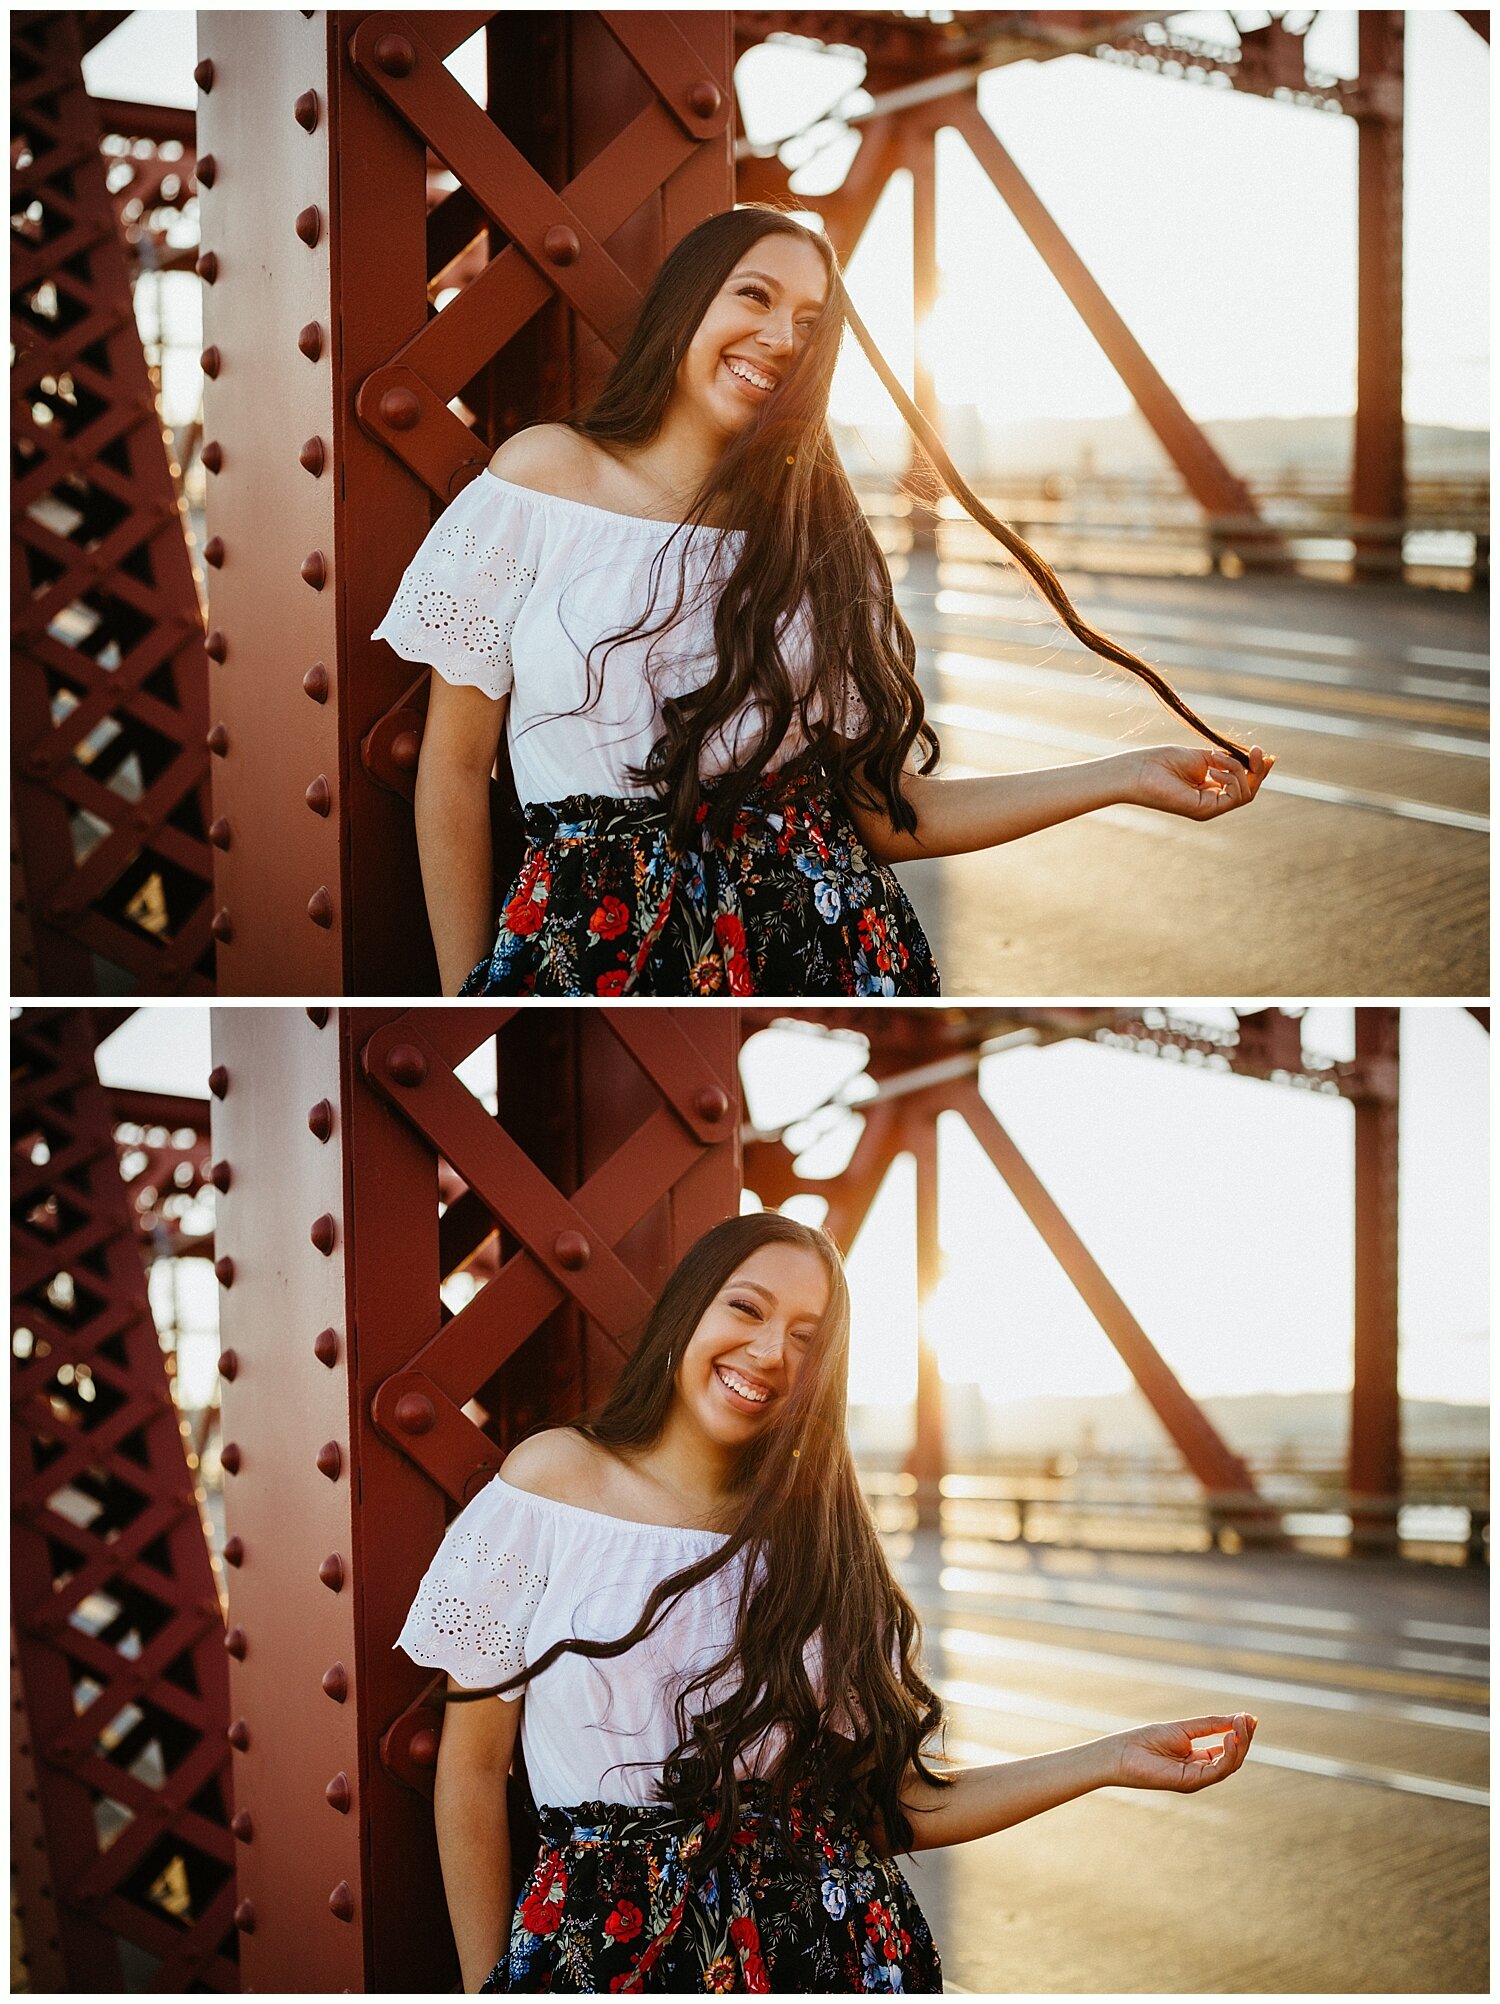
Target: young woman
{"x": 682, "y": 1605}
{"x": 673, "y": 608}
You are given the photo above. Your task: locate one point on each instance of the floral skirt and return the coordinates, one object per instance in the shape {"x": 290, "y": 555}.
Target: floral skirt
{"x": 615, "y": 1903}
{"x": 792, "y": 904}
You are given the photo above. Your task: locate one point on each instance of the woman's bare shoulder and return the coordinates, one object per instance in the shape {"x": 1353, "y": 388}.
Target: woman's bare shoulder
{"x": 550, "y": 458}
{"x": 557, "y": 1463}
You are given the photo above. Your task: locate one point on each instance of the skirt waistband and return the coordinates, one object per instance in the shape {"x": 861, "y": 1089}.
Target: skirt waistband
{"x": 581, "y": 817}
{"x": 652, "y": 1823}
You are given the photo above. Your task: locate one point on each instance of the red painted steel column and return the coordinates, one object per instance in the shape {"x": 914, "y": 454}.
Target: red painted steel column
{"x": 920, "y": 154}
{"x": 1379, "y": 432}
{"x": 361, "y": 1410}
{"x": 928, "y": 1458}
{"x": 1375, "y": 1407}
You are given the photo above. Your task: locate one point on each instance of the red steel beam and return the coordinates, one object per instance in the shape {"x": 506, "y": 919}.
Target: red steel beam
{"x": 1217, "y": 1467}
{"x": 1375, "y": 1404}
{"x": 928, "y": 1458}
{"x": 1216, "y": 489}
{"x": 1379, "y": 485}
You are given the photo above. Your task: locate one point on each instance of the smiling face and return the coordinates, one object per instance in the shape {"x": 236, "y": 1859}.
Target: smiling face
{"x": 756, "y": 326}
{"x": 743, "y": 1358}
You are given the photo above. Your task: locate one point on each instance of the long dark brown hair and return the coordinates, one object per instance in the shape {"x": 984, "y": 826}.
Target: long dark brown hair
{"x": 813, "y": 1568}
{"x": 805, "y": 540}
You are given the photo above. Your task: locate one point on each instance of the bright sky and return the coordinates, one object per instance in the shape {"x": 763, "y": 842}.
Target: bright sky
{"x": 1221, "y": 1208}
{"x": 1222, "y": 226}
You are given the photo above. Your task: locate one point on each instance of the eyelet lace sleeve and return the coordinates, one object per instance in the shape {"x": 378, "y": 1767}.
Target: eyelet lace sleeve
{"x": 459, "y": 597}
{"x": 477, "y": 1598}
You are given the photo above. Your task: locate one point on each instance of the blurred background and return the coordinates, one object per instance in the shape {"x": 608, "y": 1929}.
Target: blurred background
{"x": 1169, "y": 1391}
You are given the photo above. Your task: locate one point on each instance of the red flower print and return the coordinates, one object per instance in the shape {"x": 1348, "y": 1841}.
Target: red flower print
{"x": 611, "y": 919}
{"x": 744, "y": 1933}
{"x": 624, "y": 1981}
{"x": 612, "y": 983}
{"x": 729, "y": 931}
{"x": 541, "y": 1910}
{"x": 522, "y": 917}
{"x": 624, "y": 1922}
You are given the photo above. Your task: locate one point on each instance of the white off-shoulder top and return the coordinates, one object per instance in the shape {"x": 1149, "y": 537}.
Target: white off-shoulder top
{"x": 509, "y": 590}
{"x": 515, "y": 1573}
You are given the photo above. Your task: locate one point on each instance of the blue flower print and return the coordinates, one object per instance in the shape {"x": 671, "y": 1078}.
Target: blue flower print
{"x": 835, "y": 1899}
{"x": 829, "y": 904}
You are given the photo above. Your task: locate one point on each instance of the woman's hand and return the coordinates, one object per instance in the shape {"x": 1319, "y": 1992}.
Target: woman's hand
{"x": 1182, "y": 779}
{"x": 1165, "y": 1757}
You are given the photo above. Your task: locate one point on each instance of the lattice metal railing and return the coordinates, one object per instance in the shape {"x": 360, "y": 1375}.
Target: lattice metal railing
{"x": 120, "y": 1701}
{"x": 108, "y": 693}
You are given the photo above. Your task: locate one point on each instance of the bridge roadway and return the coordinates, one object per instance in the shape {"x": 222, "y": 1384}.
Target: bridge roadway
{"x": 1361, "y": 870}
{"x": 1349, "y": 1854}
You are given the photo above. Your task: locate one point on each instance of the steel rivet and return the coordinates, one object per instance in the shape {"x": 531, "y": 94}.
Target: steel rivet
{"x": 561, "y": 245}
{"x": 415, "y": 1413}
{"x": 210, "y": 361}
{"x": 406, "y": 748}
{"x": 341, "y": 1901}
{"x": 422, "y": 1747}
{"x": 326, "y": 1348}
{"x": 218, "y": 832}
{"x": 224, "y": 1268}
{"x": 207, "y": 170}
{"x": 704, "y": 99}
{"x": 239, "y": 1735}
{"x": 229, "y": 1458}
{"x": 216, "y": 646}
{"x": 323, "y": 1233}
{"x": 218, "y": 1081}
{"x": 213, "y": 552}
{"x": 318, "y": 1017}
{"x": 310, "y": 458}
{"x": 305, "y": 110}
{"x": 235, "y": 1643}
{"x": 336, "y": 1682}
{"x": 234, "y": 1552}
{"x": 212, "y": 456}
{"x": 220, "y": 1176}
{"x": 241, "y": 1825}
{"x": 406, "y": 1065}
{"x": 330, "y": 1460}
{"x": 319, "y": 795}
{"x": 315, "y": 682}
{"x": 337, "y": 1793}
{"x": 309, "y": 225}
{"x": 331, "y": 1572}
{"x": 571, "y": 1250}
{"x": 218, "y": 741}
{"x": 203, "y": 75}
{"x": 222, "y": 926}
{"x": 229, "y": 1365}
{"x": 320, "y": 906}
{"x": 244, "y": 1917}
{"x": 710, "y": 1102}
{"x": 207, "y": 267}
{"x": 310, "y": 340}
{"x": 395, "y": 55}
{"x": 315, "y": 570}
{"x": 400, "y": 409}
{"x": 320, "y": 1119}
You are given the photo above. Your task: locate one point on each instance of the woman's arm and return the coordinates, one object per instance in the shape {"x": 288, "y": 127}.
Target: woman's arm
{"x": 453, "y": 825}
{"x": 473, "y": 1832}
{"x": 955, "y": 816}
{"x": 981, "y": 1800}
